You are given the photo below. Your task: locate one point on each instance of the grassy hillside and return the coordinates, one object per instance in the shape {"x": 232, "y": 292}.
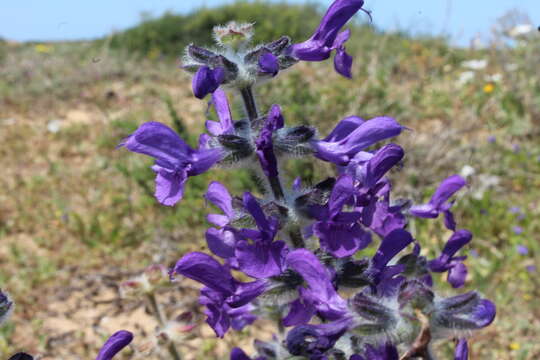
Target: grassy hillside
{"x": 77, "y": 215}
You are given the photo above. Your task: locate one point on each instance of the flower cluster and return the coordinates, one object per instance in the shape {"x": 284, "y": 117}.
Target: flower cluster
{"x": 295, "y": 253}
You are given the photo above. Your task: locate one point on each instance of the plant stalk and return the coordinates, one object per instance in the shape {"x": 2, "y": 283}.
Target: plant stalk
{"x": 249, "y": 103}
{"x": 158, "y": 314}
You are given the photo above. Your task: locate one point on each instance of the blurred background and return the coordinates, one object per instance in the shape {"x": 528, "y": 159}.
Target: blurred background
{"x": 77, "y": 216}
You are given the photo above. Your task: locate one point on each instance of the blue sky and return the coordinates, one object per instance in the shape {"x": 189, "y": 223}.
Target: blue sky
{"x": 83, "y": 19}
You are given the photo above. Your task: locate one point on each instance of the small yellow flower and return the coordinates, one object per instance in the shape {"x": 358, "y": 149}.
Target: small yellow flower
{"x": 488, "y": 88}
{"x": 44, "y": 49}
{"x": 153, "y": 54}
{"x": 527, "y": 297}
{"x": 515, "y": 346}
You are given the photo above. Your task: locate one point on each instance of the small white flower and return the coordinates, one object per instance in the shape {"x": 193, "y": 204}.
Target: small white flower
{"x": 520, "y": 30}
{"x": 494, "y": 78}
{"x": 54, "y": 126}
{"x": 467, "y": 171}
{"x": 478, "y": 64}
{"x": 465, "y": 77}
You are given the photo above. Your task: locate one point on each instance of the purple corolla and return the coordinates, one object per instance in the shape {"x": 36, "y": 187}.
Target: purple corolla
{"x": 339, "y": 232}
{"x": 457, "y": 271}
{"x": 206, "y": 81}
{"x": 351, "y": 136}
{"x": 175, "y": 160}
{"x": 222, "y": 293}
{"x": 115, "y": 344}
{"x": 439, "y": 201}
{"x": 327, "y": 37}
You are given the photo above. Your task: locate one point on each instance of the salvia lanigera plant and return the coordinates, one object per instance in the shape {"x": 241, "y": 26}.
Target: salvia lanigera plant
{"x": 301, "y": 246}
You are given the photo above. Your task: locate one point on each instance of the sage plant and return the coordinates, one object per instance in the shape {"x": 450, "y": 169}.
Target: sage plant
{"x": 301, "y": 245}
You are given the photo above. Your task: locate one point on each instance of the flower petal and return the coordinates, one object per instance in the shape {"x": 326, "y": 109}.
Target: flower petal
{"x": 319, "y": 45}
{"x": 391, "y": 245}
{"x": 221, "y": 242}
{"x": 457, "y": 275}
{"x": 446, "y": 189}
{"x": 344, "y": 128}
{"x": 268, "y": 63}
{"x": 462, "y": 350}
{"x": 343, "y": 63}
{"x": 115, "y": 344}
{"x": 206, "y": 270}
{"x": 218, "y": 195}
{"x": 160, "y": 142}
{"x": 219, "y": 99}
{"x": 206, "y": 81}
{"x": 261, "y": 260}
{"x": 169, "y": 185}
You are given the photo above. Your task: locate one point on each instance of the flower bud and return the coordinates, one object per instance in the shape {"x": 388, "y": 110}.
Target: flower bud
{"x": 239, "y": 148}
{"x": 373, "y": 317}
{"x": 462, "y": 312}
{"x": 233, "y": 34}
{"x": 294, "y": 141}
{"x": 200, "y": 54}
{"x": 353, "y": 274}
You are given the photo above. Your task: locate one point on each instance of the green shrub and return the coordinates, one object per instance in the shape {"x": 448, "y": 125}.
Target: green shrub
{"x": 170, "y": 33}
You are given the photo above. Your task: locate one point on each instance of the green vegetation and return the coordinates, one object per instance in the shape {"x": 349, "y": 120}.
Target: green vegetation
{"x": 67, "y": 191}
{"x": 170, "y": 33}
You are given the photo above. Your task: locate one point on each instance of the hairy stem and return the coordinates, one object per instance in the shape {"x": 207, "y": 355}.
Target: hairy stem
{"x": 158, "y": 314}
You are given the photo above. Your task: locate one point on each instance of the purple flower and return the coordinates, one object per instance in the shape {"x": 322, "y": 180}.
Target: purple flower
{"x": 206, "y": 81}
{"x": 352, "y": 136}
{"x": 382, "y": 352}
{"x": 463, "y": 312}
{"x": 518, "y": 230}
{"x": 522, "y": 250}
{"x": 225, "y": 126}
{"x": 175, "y": 160}
{"x": 114, "y": 344}
{"x": 264, "y": 257}
{"x": 457, "y": 271}
{"x": 369, "y": 169}
{"x": 320, "y": 291}
{"x": 385, "y": 278}
{"x": 339, "y": 232}
{"x": 491, "y": 139}
{"x": 265, "y": 147}
{"x": 239, "y": 354}
{"x": 313, "y": 341}
{"x": 439, "y": 201}
{"x": 391, "y": 245}
{"x": 268, "y": 64}
{"x": 327, "y": 38}
{"x": 222, "y": 295}
{"x": 383, "y": 218}
{"x": 218, "y": 195}
{"x": 531, "y": 268}
{"x": 222, "y": 242}
{"x": 462, "y": 350}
